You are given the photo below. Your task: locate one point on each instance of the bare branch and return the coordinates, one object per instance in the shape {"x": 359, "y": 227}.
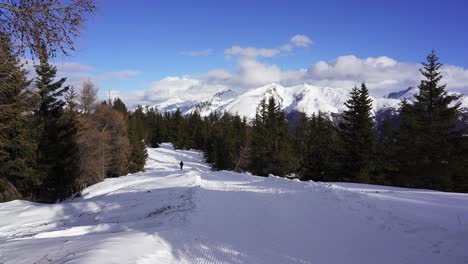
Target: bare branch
{"x": 44, "y": 28}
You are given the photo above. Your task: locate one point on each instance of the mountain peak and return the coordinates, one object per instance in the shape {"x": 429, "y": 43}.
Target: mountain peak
{"x": 303, "y": 97}
{"x": 407, "y": 93}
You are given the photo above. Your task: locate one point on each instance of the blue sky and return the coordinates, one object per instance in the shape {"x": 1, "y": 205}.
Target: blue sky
{"x": 153, "y": 39}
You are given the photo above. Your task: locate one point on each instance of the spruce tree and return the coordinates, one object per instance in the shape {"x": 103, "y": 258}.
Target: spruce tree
{"x": 358, "y": 136}
{"x": 71, "y": 100}
{"x": 259, "y": 158}
{"x": 56, "y": 140}
{"x": 18, "y": 142}
{"x": 299, "y": 134}
{"x": 153, "y": 137}
{"x": 271, "y": 145}
{"x": 176, "y": 133}
{"x": 386, "y": 159}
{"x": 194, "y": 135}
{"x": 428, "y": 131}
{"x": 120, "y": 106}
{"x": 322, "y": 150}
{"x": 137, "y": 133}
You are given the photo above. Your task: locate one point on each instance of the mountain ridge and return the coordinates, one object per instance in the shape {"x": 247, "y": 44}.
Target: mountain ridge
{"x": 302, "y": 98}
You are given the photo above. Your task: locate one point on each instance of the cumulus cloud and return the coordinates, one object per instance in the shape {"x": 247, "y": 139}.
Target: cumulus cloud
{"x": 301, "y": 41}
{"x": 254, "y": 73}
{"x": 197, "y": 53}
{"x": 183, "y": 88}
{"x": 250, "y": 52}
{"x": 76, "y": 74}
{"x": 382, "y": 75}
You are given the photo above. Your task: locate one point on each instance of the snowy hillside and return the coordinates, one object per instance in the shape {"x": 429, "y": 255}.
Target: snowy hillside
{"x": 166, "y": 215}
{"x": 304, "y": 98}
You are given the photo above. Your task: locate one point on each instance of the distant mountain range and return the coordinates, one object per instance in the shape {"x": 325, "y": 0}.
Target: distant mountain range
{"x": 300, "y": 98}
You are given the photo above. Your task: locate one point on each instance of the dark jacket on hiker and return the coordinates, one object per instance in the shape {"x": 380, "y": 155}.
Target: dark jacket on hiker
{"x": 181, "y": 165}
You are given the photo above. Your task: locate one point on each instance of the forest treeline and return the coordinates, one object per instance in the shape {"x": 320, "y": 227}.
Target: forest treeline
{"x": 423, "y": 145}
{"x": 55, "y": 141}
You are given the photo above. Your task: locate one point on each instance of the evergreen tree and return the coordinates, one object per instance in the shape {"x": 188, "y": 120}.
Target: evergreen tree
{"x": 194, "y": 135}
{"x": 271, "y": 147}
{"x": 259, "y": 158}
{"x": 56, "y": 140}
{"x": 176, "y": 133}
{"x": 299, "y": 134}
{"x": 153, "y": 138}
{"x": 137, "y": 133}
{"x": 428, "y": 131}
{"x": 358, "y": 136}
{"x": 386, "y": 159}
{"x": 18, "y": 142}
{"x": 322, "y": 152}
{"x": 120, "y": 106}
{"x": 228, "y": 136}
{"x": 71, "y": 100}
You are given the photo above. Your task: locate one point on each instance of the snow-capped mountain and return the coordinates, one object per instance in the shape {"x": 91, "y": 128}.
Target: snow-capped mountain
{"x": 303, "y": 98}
{"x": 404, "y": 94}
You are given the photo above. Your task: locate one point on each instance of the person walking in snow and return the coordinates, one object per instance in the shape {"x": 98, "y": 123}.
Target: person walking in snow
{"x": 181, "y": 165}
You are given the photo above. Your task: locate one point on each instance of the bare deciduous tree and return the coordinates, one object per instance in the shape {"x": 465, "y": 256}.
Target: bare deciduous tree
{"x": 113, "y": 126}
{"x": 103, "y": 143}
{"x": 88, "y": 96}
{"x": 44, "y": 28}
{"x": 89, "y": 141}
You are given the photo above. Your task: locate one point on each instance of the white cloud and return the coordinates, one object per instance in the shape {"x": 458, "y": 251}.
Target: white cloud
{"x": 253, "y": 73}
{"x": 218, "y": 75}
{"x": 77, "y": 73}
{"x": 250, "y": 52}
{"x": 197, "y": 53}
{"x": 119, "y": 75}
{"x": 382, "y": 75}
{"x": 301, "y": 41}
{"x": 184, "y": 88}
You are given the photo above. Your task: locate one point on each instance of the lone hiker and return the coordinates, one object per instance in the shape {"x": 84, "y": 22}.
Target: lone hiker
{"x": 181, "y": 165}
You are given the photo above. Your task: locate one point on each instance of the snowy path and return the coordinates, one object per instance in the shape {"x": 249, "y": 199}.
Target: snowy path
{"x": 165, "y": 215}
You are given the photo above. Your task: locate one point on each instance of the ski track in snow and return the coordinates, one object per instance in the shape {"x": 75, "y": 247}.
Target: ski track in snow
{"x": 165, "y": 215}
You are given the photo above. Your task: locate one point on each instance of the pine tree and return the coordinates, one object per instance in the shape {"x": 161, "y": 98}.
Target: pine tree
{"x": 358, "y": 136}
{"x": 299, "y": 134}
{"x": 137, "y": 134}
{"x": 322, "y": 150}
{"x": 153, "y": 138}
{"x": 71, "y": 100}
{"x": 259, "y": 145}
{"x": 120, "y": 106}
{"x": 176, "y": 133}
{"x": 194, "y": 135}
{"x": 18, "y": 142}
{"x": 56, "y": 140}
{"x": 271, "y": 145}
{"x": 386, "y": 159}
{"x": 428, "y": 131}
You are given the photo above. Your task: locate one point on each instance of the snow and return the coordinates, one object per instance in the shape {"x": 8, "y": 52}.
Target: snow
{"x": 165, "y": 215}
{"x": 304, "y": 98}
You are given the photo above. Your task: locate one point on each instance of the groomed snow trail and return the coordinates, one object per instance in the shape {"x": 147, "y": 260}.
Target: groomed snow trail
{"x": 165, "y": 215}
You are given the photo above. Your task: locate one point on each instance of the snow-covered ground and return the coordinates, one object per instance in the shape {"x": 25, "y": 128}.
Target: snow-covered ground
{"x": 165, "y": 215}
